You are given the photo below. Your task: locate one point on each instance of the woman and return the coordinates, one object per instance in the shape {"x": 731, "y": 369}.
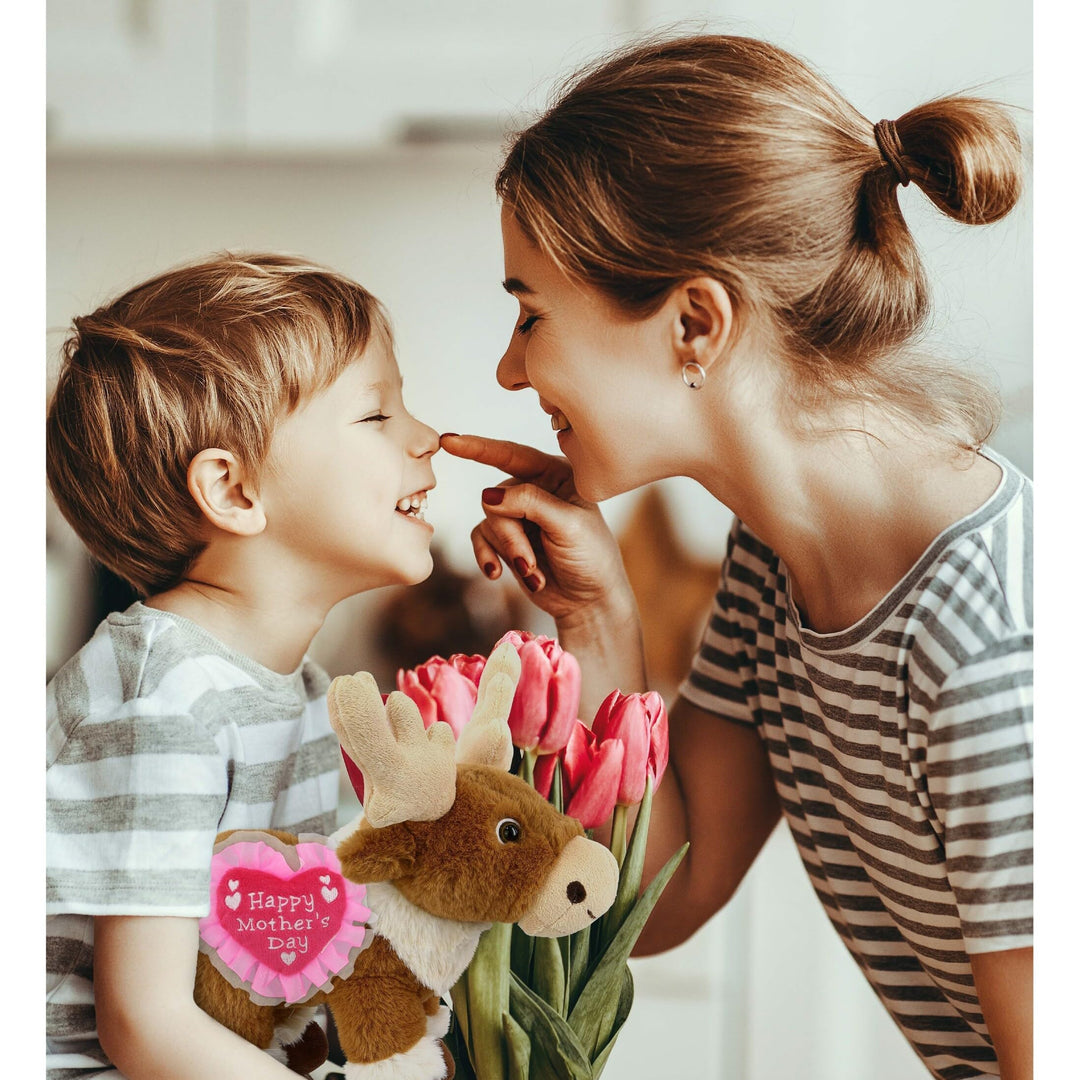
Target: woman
{"x": 716, "y": 281}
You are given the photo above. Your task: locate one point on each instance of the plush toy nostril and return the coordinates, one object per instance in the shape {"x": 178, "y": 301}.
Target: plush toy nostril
{"x": 575, "y": 892}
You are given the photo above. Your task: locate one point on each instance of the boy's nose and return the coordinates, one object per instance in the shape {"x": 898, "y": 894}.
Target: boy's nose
{"x": 425, "y": 442}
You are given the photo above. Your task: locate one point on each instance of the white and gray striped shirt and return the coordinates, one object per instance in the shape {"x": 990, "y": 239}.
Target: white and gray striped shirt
{"x": 159, "y": 737}
{"x": 901, "y": 752}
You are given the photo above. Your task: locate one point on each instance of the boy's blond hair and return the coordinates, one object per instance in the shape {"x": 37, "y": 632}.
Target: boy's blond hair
{"x": 210, "y": 354}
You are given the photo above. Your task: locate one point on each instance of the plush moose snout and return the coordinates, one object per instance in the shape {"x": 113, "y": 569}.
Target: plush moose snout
{"x": 579, "y": 888}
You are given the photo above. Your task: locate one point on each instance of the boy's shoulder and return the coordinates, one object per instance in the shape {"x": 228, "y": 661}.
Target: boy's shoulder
{"x": 146, "y": 663}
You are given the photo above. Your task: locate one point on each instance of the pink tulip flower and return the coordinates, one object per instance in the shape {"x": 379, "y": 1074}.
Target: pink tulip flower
{"x": 444, "y": 689}
{"x": 591, "y": 773}
{"x": 545, "y": 706}
{"x": 639, "y": 723}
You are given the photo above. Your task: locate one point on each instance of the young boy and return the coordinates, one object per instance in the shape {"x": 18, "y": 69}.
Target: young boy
{"x": 230, "y": 438}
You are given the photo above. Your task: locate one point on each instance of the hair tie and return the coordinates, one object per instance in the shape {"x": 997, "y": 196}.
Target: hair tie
{"x": 888, "y": 140}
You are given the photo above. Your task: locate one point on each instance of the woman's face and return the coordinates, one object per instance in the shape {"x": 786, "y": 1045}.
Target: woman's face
{"x": 611, "y": 381}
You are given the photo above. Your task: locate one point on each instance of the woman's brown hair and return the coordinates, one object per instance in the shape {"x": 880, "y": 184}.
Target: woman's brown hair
{"x": 212, "y": 354}
{"x": 729, "y": 157}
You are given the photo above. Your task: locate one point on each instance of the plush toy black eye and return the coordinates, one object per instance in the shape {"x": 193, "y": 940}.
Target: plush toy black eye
{"x": 508, "y": 831}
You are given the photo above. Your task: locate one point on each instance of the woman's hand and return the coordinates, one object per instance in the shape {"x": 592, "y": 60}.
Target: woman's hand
{"x": 565, "y": 557}
{"x": 557, "y": 543}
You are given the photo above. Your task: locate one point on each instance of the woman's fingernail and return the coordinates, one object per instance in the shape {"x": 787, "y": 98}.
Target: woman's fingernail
{"x": 532, "y": 583}
{"x": 521, "y": 566}
{"x": 492, "y": 496}
{"x": 489, "y": 569}
{"x": 449, "y": 435}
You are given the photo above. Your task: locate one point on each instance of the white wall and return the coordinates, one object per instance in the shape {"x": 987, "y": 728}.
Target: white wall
{"x": 766, "y": 990}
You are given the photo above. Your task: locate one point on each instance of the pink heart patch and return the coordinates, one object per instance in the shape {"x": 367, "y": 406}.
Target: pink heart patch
{"x": 275, "y": 926}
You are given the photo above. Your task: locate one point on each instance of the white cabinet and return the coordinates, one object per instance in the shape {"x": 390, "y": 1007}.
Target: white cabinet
{"x": 315, "y": 75}
{"x": 131, "y": 73}
{"x": 345, "y": 73}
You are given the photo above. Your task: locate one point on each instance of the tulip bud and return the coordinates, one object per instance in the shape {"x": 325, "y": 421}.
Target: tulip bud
{"x": 591, "y": 772}
{"x": 444, "y": 689}
{"x": 639, "y": 722}
{"x": 545, "y": 705}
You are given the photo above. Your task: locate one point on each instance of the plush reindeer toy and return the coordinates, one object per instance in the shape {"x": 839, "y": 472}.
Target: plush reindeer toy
{"x": 450, "y": 842}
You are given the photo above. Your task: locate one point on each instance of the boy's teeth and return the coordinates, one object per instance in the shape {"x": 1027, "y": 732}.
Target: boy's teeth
{"x": 559, "y": 422}
{"x": 413, "y": 503}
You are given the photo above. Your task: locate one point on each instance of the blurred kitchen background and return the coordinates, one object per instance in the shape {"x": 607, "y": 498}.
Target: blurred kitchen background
{"x": 366, "y": 135}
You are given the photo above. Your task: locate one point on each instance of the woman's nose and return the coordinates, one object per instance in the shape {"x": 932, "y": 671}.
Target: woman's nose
{"x": 511, "y": 370}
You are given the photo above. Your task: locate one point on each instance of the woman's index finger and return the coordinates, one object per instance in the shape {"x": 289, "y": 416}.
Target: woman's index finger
{"x": 516, "y": 459}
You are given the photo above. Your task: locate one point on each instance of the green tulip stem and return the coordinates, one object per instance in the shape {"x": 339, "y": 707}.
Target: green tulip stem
{"x": 618, "y": 834}
{"x": 633, "y": 864}
{"x": 528, "y": 763}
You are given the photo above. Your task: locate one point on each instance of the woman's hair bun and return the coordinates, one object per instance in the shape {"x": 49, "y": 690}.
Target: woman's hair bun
{"x": 965, "y": 154}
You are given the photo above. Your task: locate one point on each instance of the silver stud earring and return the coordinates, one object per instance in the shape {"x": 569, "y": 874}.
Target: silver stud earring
{"x": 693, "y": 374}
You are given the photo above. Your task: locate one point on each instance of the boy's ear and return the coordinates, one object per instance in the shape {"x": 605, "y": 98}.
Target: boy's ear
{"x": 225, "y": 492}
{"x": 704, "y": 318}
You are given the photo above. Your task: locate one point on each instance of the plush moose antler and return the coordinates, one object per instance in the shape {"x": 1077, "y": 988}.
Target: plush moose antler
{"x": 486, "y": 739}
{"x": 450, "y": 843}
{"x": 409, "y": 773}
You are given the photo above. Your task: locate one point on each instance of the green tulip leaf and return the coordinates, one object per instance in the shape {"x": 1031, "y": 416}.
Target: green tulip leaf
{"x": 521, "y": 953}
{"x": 551, "y": 1037}
{"x": 557, "y": 788}
{"x": 593, "y": 1008}
{"x": 633, "y": 864}
{"x": 518, "y": 1048}
{"x": 488, "y": 982}
{"x": 457, "y": 1043}
{"x": 548, "y": 977}
{"x": 626, "y": 999}
{"x": 578, "y": 966}
{"x": 459, "y": 996}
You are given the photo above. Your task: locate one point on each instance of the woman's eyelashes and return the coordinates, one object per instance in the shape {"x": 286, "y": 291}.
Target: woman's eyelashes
{"x": 374, "y": 418}
{"x": 525, "y": 326}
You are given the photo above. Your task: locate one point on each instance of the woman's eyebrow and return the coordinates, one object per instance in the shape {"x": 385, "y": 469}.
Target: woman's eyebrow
{"x": 517, "y": 287}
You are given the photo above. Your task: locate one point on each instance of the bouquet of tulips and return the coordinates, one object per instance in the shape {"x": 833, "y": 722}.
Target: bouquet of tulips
{"x": 538, "y": 1008}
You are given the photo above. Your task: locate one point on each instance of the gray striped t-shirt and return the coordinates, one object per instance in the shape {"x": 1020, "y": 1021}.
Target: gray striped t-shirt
{"x": 159, "y": 736}
{"x": 901, "y": 752}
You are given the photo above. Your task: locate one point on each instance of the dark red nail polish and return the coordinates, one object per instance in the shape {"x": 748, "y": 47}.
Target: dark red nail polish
{"x": 521, "y": 566}
{"x": 492, "y": 496}
{"x": 489, "y": 569}
{"x": 532, "y": 583}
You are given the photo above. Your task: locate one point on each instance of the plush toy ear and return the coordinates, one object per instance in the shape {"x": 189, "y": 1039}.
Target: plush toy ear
{"x": 372, "y": 854}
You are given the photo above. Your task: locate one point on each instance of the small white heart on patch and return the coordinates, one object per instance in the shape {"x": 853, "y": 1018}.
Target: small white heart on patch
{"x": 288, "y": 957}
{"x": 324, "y": 878}
{"x": 329, "y": 895}
{"x": 233, "y": 884}
{"x": 233, "y": 901}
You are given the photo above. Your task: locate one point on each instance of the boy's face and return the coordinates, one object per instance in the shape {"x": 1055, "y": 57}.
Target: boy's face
{"x": 338, "y": 470}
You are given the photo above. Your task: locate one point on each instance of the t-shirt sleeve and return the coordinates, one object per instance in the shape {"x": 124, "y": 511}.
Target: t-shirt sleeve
{"x": 717, "y": 678}
{"x": 979, "y": 777}
{"x": 133, "y": 802}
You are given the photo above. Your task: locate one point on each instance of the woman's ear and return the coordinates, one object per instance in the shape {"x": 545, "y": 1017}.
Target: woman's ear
{"x": 704, "y": 321}
{"x": 225, "y": 492}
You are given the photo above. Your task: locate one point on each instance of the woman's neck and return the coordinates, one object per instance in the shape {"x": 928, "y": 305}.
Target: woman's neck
{"x": 849, "y": 511}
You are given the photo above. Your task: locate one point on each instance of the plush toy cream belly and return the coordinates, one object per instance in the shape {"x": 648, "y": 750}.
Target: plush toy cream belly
{"x": 381, "y": 923}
